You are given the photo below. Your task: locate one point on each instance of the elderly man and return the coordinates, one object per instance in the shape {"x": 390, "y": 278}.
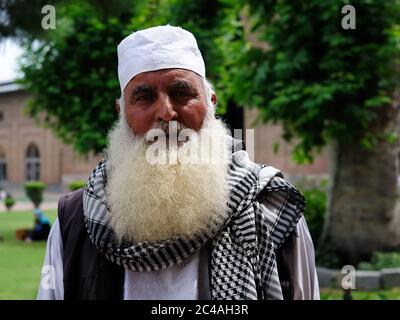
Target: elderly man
{"x": 158, "y": 219}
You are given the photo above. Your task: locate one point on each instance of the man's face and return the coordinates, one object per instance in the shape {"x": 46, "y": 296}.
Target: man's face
{"x": 178, "y": 198}
{"x": 169, "y": 94}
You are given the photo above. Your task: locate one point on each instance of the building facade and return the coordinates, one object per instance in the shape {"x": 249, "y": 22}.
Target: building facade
{"x": 30, "y": 152}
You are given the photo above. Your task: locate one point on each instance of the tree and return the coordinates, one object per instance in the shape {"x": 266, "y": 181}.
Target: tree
{"x": 14, "y": 21}
{"x": 73, "y": 79}
{"x": 21, "y": 19}
{"x": 34, "y": 191}
{"x": 72, "y": 74}
{"x": 71, "y": 71}
{"x": 325, "y": 84}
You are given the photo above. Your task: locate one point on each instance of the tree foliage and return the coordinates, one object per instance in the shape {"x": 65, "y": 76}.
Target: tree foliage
{"x": 74, "y": 80}
{"x": 21, "y": 19}
{"x": 72, "y": 74}
{"x": 320, "y": 81}
{"x": 34, "y": 190}
{"x": 13, "y": 18}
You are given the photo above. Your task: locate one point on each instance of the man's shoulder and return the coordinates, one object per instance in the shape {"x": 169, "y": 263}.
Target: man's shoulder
{"x": 72, "y": 196}
{"x": 70, "y": 209}
{"x": 282, "y": 204}
{"x": 71, "y": 200}
{"x": 272, "y": 180}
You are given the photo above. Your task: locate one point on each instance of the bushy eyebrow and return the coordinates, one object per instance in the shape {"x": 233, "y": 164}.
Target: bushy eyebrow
{"x": 175, "y": 86}
{"x": 141, "y": 89}
{"x": 182, "y": 84}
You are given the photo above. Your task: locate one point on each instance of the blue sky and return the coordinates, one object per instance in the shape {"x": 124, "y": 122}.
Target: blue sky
{"x": 9, "y": 52}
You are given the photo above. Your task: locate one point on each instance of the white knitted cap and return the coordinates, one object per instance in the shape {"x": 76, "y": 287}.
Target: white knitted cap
{"x": 157, "y": 48}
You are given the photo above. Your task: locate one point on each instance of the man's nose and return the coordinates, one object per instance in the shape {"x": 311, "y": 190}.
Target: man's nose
{"x": 165, "y": 110}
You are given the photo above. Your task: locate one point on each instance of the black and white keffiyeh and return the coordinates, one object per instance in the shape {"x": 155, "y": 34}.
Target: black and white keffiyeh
{"x": 263, "y": 210}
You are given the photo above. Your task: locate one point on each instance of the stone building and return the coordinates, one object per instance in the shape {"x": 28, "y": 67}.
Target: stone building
{"x": 30, "y": 152}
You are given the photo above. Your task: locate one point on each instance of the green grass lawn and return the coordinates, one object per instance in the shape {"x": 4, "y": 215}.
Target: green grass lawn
{"x": 20, "y": 262}
{"x": 336, "y": 294}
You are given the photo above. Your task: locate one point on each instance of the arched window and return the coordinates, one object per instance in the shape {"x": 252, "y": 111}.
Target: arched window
{"x": 3, "y": 165}
{"x": 32, "y": 162}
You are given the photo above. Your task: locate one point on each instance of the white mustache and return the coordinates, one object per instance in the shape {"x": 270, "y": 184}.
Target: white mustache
{"x": 165, "y": 126}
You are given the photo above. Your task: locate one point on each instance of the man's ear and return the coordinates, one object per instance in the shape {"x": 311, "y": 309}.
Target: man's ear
{"x": 117, "y": 106}
{"x": 214, "y": 99}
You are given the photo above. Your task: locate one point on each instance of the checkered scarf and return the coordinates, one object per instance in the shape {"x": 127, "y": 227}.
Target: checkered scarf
{"x": 263, "y": 209}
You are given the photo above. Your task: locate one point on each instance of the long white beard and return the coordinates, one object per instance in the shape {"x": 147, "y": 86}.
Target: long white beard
{"x": 153, "y": 202}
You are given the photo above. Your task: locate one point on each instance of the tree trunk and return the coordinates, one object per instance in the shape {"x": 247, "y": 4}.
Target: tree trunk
{"x": 364, "y": 202}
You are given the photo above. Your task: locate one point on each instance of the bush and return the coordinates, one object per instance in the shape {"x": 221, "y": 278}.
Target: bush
{"x": 381, "y": 260}
{"x": 316, "y": 205}
{"x": 9, "y": 202}
{"x": 77, "y": 184}
{"x": 34, "y": 191}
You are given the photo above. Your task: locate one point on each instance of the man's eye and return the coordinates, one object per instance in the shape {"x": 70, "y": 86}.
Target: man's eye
{"x": 183, "y": 93}
{"x": 144, "y": 97}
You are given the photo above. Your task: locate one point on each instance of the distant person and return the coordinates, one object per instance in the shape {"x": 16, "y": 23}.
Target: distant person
{"x": 3, "y": 195}
{"x": 41, "y": 229}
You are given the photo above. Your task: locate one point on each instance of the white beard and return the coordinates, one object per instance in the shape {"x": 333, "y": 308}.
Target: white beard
{"x": 154, "y": 202}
